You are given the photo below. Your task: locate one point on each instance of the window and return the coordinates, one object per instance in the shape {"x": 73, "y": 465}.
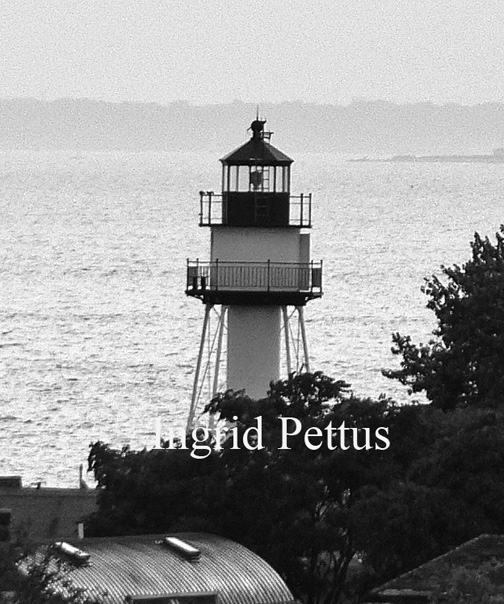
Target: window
{"x": 246, "y": 179}
{"x": 282, "y": 179}
{"x": 243, "y": 178}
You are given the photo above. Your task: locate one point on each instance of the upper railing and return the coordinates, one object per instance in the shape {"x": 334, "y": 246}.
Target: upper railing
{"x": 214, "y": 212}
{"x": 254, "y": 277}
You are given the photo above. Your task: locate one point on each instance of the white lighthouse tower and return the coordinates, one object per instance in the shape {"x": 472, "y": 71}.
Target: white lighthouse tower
{"x": 260, "y": 274}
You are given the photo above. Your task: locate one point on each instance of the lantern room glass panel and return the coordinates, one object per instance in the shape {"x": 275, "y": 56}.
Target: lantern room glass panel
{"x": 225, "y": 178}
{"x": 278, "y": 179}
{"x": 281, "y": 179}
{"x": 233, "y": 178}
{"x": 230, "y": 178}
{"x": 256, "y": 178}
{"x": 267, "y": 183}
{"x": 243, "y": 179}
{"x": 286, "y": 178}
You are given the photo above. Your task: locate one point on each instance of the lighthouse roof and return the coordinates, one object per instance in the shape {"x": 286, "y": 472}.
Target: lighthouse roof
{"x": 257, "y": 151}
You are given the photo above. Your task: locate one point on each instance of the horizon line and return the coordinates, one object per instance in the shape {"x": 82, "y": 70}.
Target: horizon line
{"x": 184, "y": 102}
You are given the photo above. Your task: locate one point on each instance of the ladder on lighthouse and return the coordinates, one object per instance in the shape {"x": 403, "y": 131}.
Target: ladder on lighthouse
{"x": 262, "y": 208}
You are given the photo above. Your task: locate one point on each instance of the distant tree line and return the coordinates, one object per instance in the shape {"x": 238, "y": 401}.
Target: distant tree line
{"x": 361, "y": 127}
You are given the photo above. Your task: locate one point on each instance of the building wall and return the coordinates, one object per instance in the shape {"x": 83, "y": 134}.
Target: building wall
{"x": 237, "y": 244}
{"x": 304, "y": 248}
{"x": 47, "y": 513}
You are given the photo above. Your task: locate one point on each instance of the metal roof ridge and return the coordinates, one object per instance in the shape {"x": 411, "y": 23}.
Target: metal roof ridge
{"x": 149, "y": 536}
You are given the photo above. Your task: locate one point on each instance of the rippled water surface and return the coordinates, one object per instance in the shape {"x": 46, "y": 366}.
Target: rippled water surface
{"x": 97, "y": 338}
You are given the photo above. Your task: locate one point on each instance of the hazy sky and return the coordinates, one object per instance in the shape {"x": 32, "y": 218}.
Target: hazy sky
{"x": 208, "y": 51}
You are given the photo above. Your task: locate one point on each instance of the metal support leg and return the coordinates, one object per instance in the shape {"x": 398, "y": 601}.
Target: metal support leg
{"x": 215, "y": 386}
{"x": 287, "y": 339}
{"x": 303, "y": 337}
{"x": 194, "y": 396}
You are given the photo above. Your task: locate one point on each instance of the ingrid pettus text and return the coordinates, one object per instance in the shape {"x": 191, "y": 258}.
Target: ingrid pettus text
{"x": 314, "y": 438}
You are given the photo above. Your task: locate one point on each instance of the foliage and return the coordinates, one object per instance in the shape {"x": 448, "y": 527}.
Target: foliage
{"x": 468, "y": 585}
{"x": 292, "y": 506}
{"x": 407, "y": 524}
{"x": 462, "y": 365}
{"x": 153, "y": 491}
{"x": 448, "y": 488}
{"x": 29, "y": 577}
{"x": 310, "y": 511}
{"x": 467, "y": 459}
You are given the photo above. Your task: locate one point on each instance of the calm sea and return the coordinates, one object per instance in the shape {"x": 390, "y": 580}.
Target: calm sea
{"x": 97, "y": 338}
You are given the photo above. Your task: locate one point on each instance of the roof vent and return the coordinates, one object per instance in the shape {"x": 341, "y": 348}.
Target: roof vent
{"x": 76, "y": 555}
{"x": 181, "y": 547}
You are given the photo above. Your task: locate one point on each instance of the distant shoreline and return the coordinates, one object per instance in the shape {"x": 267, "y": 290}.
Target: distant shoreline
{"x": 497, "y": 157}
{"x": 372, "y": 128}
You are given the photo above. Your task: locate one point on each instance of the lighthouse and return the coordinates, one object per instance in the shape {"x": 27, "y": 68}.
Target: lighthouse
{"x": 260, "y": 274}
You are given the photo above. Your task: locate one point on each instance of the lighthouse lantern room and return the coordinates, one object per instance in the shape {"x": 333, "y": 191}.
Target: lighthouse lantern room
{"x": 260, "y": 273}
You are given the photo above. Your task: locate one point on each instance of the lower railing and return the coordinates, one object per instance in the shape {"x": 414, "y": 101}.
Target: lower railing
{"x": 254, "y": 276}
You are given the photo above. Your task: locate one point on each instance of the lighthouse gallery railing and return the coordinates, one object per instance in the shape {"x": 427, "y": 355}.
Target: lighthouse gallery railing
{"x": 212, "y": 209}
{"x": 254, "y": 276}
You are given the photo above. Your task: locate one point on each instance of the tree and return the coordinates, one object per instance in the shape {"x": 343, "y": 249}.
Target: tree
{"x": 35, "y": 576}
{"x": 331, "y": 490}
{"x": 466, "y": 458}
{"x": 462, "y": 364}
{"x": 407, "y": 524}
{"x": 449, "y": 489}
{"x": 143, "y": 492}
{"x": 292, "y": 505}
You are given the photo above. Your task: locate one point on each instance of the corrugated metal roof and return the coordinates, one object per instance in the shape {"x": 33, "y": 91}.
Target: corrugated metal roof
{"x": 138, "y": 566}
{"x": 256, "y": 151}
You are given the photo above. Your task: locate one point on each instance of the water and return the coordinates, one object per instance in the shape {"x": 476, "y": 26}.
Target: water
{"x": 97, "y": 338}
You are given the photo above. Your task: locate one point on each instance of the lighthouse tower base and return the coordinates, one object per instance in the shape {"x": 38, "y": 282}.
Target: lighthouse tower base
{"x": 261, "y": 340}
{"x": 253, "y": 357}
